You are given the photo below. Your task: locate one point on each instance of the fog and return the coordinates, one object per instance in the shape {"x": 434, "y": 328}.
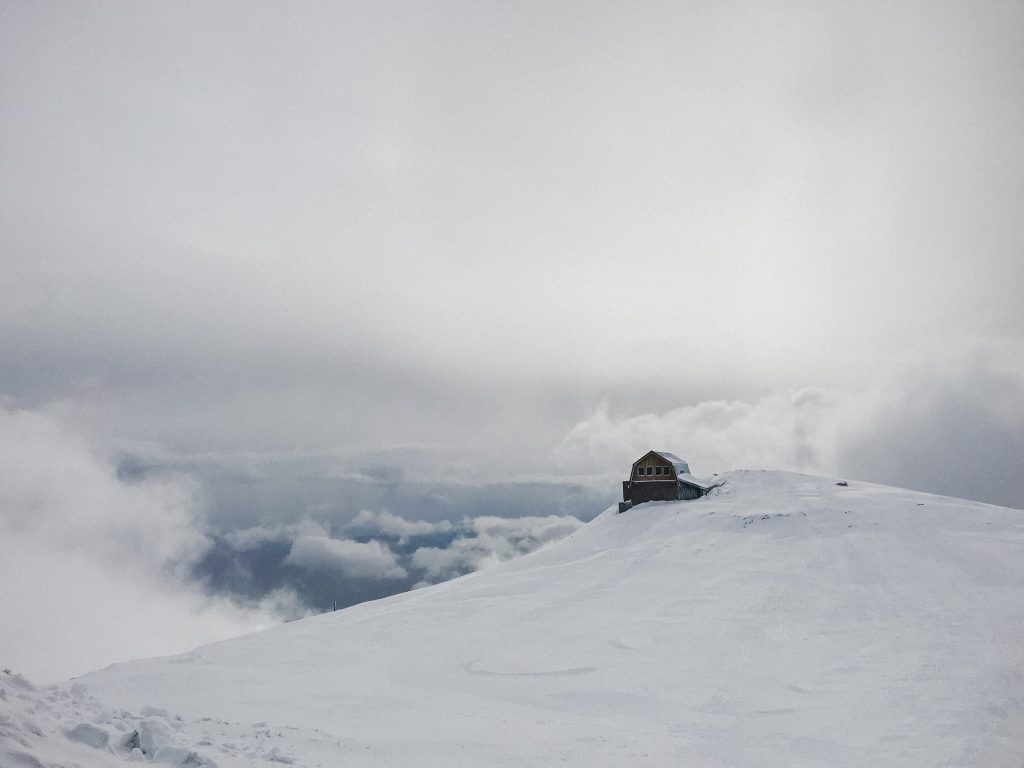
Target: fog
{"x": 270, "y": 269}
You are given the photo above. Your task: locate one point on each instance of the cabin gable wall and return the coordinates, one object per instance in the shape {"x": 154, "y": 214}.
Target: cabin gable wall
{"x": 653, "y": 468}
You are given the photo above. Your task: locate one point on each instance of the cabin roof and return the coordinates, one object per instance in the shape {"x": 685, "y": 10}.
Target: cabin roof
{"x": 670, "y": 457}
{"x": 704, "y": 485}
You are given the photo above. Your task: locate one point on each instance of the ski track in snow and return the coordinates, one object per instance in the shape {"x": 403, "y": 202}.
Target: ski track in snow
{"x": 783, "y": 621}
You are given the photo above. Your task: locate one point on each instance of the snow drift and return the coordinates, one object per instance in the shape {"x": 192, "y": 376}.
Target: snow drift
{"x": 785, "y": 620}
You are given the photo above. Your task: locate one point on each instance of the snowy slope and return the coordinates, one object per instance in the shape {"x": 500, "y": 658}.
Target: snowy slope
{"x": 784, "y": 621}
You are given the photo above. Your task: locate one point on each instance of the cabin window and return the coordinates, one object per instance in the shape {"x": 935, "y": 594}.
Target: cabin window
{"x": 657, "y": 470}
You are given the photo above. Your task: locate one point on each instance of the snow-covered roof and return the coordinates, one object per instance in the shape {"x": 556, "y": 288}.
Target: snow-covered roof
{"x": 682, "y": 468}
{"x": 704, "y": 485}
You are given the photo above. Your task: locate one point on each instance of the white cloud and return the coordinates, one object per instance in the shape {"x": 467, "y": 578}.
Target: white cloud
{"x": 495, "y": 540}
{"x": 56, "y": 489}
{"x": 393, "y": 525}
{"x": 314, "y": 549}
{"x": 953, "y": 426}
{"x": 245, "y": 539}
{"x": 81, "y": 550}
{"x": 796, "y": 432}
{"x": 523, "y": 534}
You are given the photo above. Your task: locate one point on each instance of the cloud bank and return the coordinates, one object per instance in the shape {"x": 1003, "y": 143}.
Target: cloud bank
{"x": 792, "y": 432}
{"x": 313, "y": 549}
{"x": 128, "y": 558}
{"x": 374, "y": 555}
{"x": 491, "y": 540}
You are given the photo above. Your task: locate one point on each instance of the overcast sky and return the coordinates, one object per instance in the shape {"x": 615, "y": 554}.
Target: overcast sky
{"x": 272, "y": 273}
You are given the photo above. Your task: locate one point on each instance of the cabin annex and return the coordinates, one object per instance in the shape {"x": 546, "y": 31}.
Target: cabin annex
{"x": 661, "y": 476}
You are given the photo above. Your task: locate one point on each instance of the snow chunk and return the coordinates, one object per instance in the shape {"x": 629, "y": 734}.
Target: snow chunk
{"x": 18, "y": 760}
{"x": 86, "y": 733}
{"x": 181, "y": 756}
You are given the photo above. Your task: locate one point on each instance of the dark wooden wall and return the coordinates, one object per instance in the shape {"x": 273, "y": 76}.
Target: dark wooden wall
{"x": 666, "y": 490}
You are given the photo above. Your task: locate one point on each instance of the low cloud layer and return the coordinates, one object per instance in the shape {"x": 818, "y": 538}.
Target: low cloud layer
{"x": 489, "y": 541}
{"x": 314, "y": 550}
{"x": 393, "y": 525}
{"x": 128, "y": 559}
{"x": 375, "y": 555}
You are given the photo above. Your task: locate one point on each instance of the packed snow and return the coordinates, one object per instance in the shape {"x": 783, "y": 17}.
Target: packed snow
{"x": 784, "y": 620}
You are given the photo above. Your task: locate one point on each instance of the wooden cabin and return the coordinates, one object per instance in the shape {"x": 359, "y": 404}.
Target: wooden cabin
{"x": 661, "y": 476}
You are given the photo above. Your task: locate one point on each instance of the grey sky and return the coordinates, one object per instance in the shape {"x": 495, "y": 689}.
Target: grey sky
{"x": 261, "y": 249}
{"x": 255, "y": 225}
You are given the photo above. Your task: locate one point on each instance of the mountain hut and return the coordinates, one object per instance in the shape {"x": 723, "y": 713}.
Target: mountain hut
{"x": 661, "y": 476}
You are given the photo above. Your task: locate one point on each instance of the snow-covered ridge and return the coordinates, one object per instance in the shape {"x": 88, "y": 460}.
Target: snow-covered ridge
{"x": 783, "y": 620}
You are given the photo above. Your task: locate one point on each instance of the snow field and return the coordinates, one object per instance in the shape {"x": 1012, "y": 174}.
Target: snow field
{"x": 783, "y": 621}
